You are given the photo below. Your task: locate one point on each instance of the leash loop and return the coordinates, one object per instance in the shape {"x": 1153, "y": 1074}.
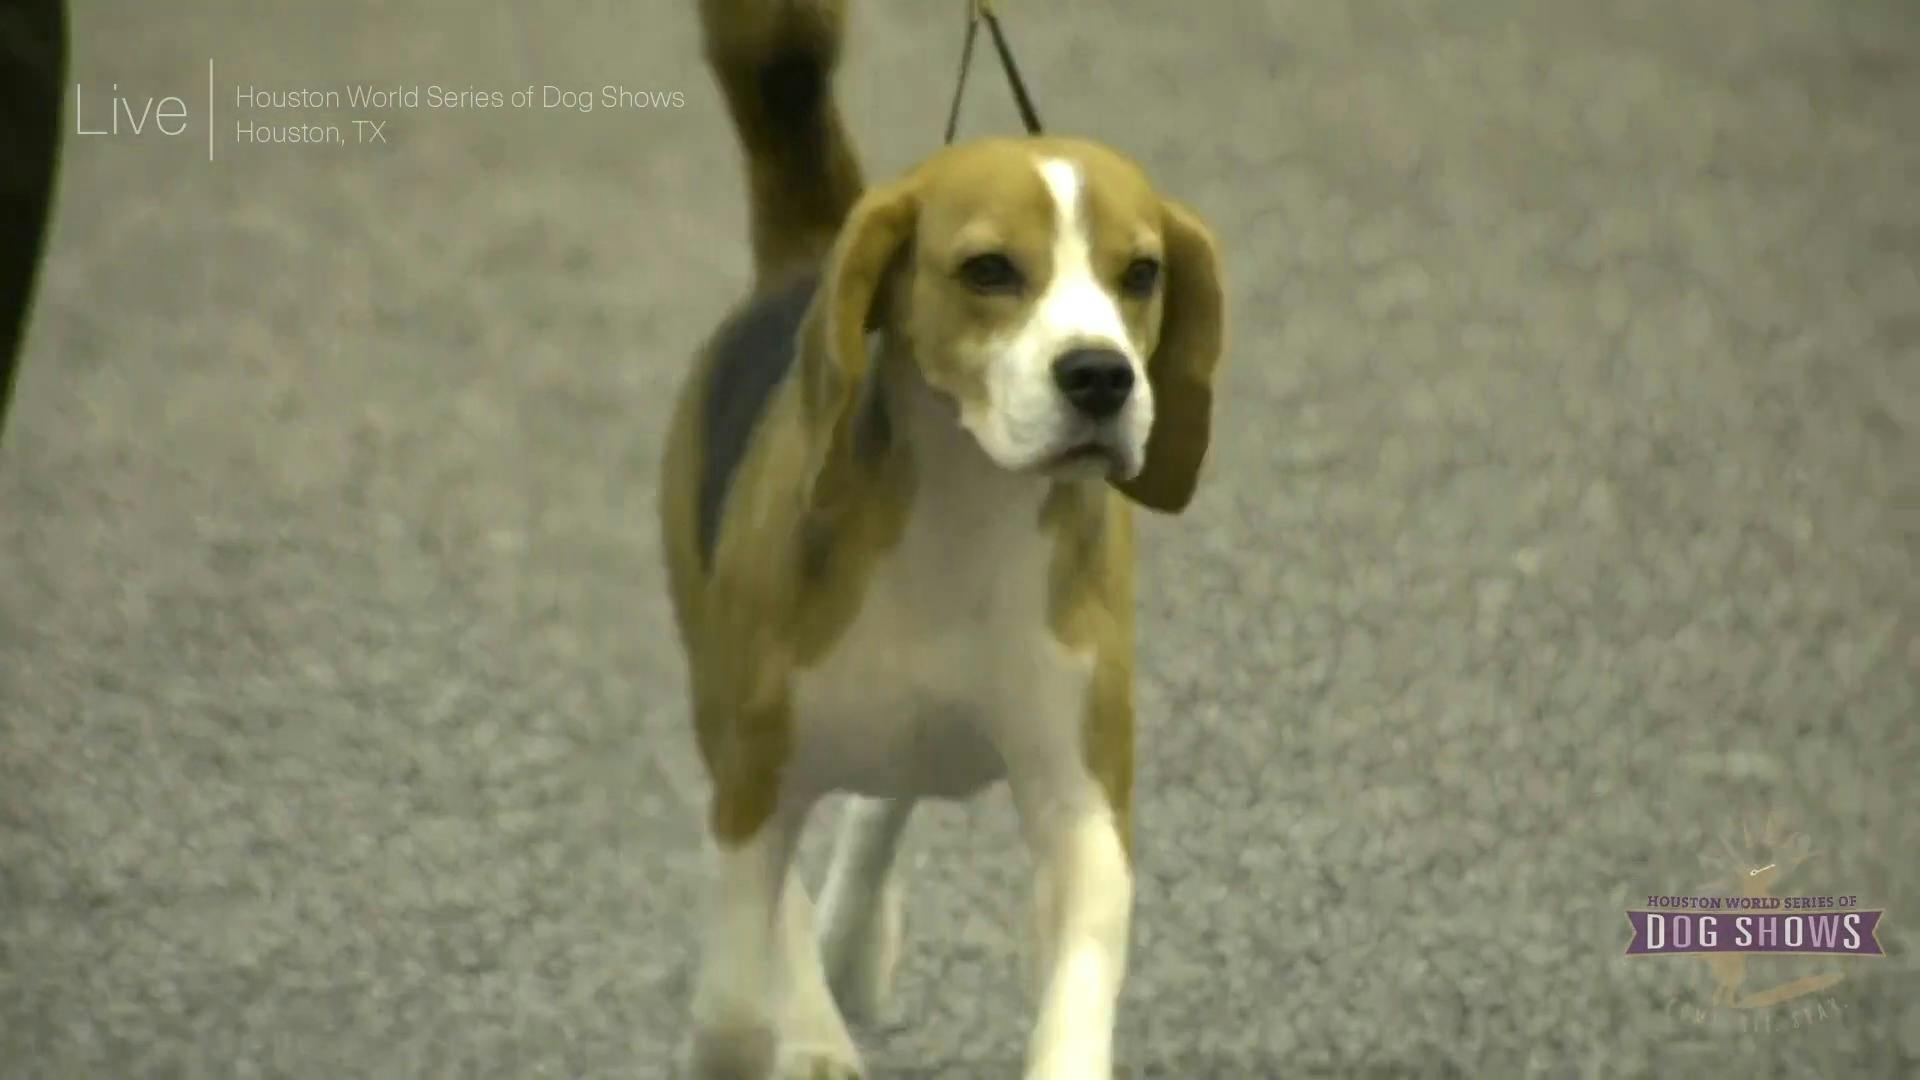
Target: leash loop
{"x": 979, "y": 11}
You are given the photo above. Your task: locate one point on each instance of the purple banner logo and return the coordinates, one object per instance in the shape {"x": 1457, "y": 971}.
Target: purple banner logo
{"x": 1781, "y": 933}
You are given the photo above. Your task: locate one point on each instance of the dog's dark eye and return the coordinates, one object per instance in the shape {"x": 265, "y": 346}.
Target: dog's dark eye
{"x": 1140, "y": 277}
{"x": 990, "y": 273}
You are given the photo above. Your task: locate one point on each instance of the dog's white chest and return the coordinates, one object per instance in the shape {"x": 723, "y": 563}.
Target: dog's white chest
{"x": 950, "y": 665}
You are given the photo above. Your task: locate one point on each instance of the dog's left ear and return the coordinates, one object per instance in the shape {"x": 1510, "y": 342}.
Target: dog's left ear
{"x": 1182, "y": 367}
{"x": 833, "y": 336}
{"x": 847, "y": 304}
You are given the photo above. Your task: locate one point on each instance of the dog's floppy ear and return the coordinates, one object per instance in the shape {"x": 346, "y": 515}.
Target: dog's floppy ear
{"x": 1182, "y": 367}
{"x": 833, "y": 338}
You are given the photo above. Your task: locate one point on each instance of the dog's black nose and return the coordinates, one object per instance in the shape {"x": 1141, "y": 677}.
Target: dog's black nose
{"x": 1096, "y": 381}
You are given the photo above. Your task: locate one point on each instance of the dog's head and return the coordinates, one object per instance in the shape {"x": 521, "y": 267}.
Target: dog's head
{"x": 1071, "y": 314}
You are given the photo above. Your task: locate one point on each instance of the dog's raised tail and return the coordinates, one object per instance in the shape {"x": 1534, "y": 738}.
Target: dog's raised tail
{"x": 775, "y": 61}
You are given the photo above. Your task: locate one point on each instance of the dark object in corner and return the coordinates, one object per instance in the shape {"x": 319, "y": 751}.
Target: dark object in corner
{"x": 33, "y": 75}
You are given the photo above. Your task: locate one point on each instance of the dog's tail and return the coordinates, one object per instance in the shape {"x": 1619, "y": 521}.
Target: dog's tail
{"x": 775, "y": 61}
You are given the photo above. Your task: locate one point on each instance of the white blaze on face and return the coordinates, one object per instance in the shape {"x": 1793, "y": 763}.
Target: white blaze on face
{"x": 1027, "y": 419}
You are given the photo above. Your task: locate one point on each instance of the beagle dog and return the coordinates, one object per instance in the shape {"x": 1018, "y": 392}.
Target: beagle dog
{"x": 896, "y": 508}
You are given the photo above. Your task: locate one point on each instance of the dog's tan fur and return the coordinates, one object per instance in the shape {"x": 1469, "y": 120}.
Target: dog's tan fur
{"x": 816, "y": 505}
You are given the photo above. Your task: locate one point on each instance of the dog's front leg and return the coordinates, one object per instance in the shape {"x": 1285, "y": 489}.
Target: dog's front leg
{"x": 735, "y": 1021}
{"x": 1083, "y": 905}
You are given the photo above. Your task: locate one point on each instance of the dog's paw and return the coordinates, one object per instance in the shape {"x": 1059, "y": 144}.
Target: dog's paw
{"x": 730, "y": 1051}
{"x": 1081, "y": 1063}
{"x": 819, "y": 1063}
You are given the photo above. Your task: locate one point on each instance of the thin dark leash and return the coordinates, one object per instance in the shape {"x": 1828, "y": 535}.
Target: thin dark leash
{"x": 979, "y": 11}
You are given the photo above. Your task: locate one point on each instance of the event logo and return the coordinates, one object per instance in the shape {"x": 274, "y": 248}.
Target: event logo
{"x": 1740, "y": 929}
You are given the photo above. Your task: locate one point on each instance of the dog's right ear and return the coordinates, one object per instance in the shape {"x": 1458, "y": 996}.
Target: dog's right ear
{"x": 833, "y": 337}
{"x": 1183, "y": 366}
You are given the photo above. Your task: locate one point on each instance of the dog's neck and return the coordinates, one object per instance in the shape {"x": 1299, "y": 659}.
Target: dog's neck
{"x": 974, "y": 538}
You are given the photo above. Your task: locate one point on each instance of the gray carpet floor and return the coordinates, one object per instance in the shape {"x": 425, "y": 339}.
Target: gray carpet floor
{"x": 1562, "y": 526}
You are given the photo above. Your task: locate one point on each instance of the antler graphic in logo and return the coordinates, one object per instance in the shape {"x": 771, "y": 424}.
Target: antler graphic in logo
{"x": 1752, "y": 870}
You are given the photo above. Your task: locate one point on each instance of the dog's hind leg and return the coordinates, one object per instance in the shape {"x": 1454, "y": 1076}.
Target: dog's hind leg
{"x": 861, "y": 905}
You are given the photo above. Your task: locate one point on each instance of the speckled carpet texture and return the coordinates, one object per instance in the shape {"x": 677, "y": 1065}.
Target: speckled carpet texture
{"x": 1558, "y": 548}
